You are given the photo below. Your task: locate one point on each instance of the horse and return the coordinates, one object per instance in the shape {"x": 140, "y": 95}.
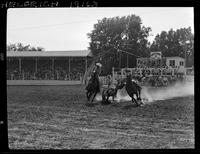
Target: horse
{"x": 111, "y": 92}
{"x": 133, "y": 89}
{"x": 93, "y": 87}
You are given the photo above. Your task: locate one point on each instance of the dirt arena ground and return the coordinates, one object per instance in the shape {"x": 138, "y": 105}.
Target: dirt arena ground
{"x": 57, "y": 117}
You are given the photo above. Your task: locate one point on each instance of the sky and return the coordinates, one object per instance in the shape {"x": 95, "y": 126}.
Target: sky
{"x": 57, "y": 29}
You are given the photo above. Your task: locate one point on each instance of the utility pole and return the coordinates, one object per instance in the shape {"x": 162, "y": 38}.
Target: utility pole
{"x": 186, "y": 42}
{"x": 120, "y": 59}
{"x": 185, "y": 56}
{"x": 127, "y": 60}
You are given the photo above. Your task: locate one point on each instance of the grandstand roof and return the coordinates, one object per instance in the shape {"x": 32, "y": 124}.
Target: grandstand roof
{"x": 69, "y": 53}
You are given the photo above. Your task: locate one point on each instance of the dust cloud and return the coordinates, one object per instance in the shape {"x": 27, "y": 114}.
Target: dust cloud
{"x": 177, "y": 90}
{"x": 150, "y": 94}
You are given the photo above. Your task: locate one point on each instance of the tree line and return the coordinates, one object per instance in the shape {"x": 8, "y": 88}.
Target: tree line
{"x": 21, "y": 47}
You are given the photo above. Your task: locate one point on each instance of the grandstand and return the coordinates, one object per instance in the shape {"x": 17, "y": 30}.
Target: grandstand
{"x": 155, "y": 66}
{"x": 47, "y": 67}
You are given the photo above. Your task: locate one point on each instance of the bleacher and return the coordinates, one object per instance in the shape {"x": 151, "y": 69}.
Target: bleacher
{"x": 51, "y": 67}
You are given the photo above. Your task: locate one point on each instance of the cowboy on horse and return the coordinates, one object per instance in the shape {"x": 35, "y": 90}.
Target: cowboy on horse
{"x": 93, "y": 86}
{"x": 96, "y": 72}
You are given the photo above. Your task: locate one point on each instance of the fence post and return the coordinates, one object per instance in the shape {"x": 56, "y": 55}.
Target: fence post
{"x": 22, "y": 75}
{"x": 20, "y": 66}
{"x": 173, "y": 71}
{"x": 113, "y": 74}
{"x": 45, "y": 76}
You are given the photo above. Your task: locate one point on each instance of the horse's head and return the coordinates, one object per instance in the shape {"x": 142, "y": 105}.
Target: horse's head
{"x": 128, "y": 78}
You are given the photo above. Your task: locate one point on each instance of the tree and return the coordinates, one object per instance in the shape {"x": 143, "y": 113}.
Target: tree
{"x": 21, "y": 47}
{"x": 112, "y": 35}
{"x": 173, "y": 43}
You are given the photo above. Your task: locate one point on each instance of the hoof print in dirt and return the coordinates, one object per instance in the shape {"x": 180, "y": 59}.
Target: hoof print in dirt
{"x": 90, "y": 104}
{"x": 130, "y": 106}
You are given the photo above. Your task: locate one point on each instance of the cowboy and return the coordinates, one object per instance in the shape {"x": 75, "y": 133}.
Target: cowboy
{"x": 97, "y": 68}
{"x": 109, "y": 80}
{"x": 96, "y": 72}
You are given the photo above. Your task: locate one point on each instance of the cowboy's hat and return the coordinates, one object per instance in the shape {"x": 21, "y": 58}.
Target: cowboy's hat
{"x": 99, "y": 64}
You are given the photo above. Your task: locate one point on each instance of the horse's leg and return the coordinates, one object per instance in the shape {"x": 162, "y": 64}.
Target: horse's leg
{"x": 94, "y": 96}
{"x": 141, "y": 101}
{"x": 87, "y": 94}
{"x": 103, "y": 96}
{"x": 138, "y": 98}
{"x": 139, "y": 95}
{"x": 140, "y": 92}
{"x": 134, "y": 100}
{"x": 107, "y": 98}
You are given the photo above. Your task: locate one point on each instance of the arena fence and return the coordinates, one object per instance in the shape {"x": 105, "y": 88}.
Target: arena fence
{"x": 42, "y": 82}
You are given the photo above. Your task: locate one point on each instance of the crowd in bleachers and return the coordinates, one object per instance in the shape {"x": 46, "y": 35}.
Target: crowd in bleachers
{"x": 29, "y": 72}
{"x": 143, "y": 72}
{"x": 43, "y": 75}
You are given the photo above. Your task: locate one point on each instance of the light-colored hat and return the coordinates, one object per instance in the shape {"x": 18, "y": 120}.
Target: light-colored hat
{"x": 99, "y": 64}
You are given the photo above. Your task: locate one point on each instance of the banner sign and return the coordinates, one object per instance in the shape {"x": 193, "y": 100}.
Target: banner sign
{"x": 156, "y": 55}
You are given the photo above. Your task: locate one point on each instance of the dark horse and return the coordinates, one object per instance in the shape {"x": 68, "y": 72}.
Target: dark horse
{"x": 92, "y": 87}
{"x": 133, "y": 89}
